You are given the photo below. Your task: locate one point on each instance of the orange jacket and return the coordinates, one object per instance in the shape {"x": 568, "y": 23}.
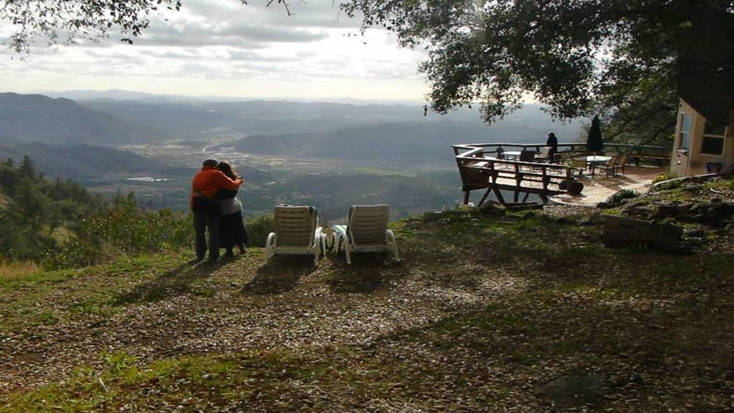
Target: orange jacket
{"x": 209, "y": 180}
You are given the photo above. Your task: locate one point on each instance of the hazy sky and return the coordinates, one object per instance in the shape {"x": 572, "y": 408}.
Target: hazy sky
{"x": 224, "y": 48}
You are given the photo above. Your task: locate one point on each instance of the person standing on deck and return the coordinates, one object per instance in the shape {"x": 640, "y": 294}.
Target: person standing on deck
{"x": 206, "y": 209}
{"x": 552, "y": 143}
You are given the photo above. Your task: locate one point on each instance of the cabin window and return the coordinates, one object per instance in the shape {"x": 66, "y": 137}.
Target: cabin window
{"x": 686, "y": 120}
{"x": 713, "y": 139}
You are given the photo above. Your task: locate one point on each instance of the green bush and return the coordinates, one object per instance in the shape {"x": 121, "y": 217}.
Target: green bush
{"x": 669, "y": 185}
{"x": 619, "y": 196}
{"x": 119, "y": 229}
{"x": 258, "y": 229}
{"x": 660, "y": 178}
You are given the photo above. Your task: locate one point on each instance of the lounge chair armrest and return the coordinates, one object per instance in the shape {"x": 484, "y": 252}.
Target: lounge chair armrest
{"x": 271, "y": 240}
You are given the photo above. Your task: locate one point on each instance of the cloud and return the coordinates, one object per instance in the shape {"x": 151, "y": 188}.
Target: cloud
{"x": 223, "y": 47}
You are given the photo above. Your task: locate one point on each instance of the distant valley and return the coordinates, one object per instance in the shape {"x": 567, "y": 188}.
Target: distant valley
{"x": 324, "y": 154}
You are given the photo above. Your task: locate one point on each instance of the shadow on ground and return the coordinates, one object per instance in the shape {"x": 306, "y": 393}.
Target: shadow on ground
{"x": 280, "y": 274}
{"x": 365, "y": 274}
{"x": 171, "y": 283}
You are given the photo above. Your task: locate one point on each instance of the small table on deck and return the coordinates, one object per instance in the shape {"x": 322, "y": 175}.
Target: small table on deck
{"x": 514, "y": 155}
{"x": 594, "y": 160}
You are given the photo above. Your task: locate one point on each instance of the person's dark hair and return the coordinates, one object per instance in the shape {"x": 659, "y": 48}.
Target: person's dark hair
{"x": 552, "y": 134}
{"x": 212, "y": 163}
{"x": 227, "y": 170}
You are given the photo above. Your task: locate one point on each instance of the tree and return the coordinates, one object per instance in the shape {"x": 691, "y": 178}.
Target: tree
{"x": 64, "y": 21}
{"x": 594, "y": 142}
{"x": 579, "y": 57}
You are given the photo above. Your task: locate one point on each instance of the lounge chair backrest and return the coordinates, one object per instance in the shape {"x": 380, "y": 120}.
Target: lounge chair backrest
{"x": 295, "y": 225}
{"x": 367, "y": 224}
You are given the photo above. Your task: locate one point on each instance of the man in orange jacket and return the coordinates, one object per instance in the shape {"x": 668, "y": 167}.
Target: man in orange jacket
{"x": 204, "y": 188}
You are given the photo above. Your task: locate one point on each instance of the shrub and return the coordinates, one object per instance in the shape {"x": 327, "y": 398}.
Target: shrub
{"x": 660, "y": 178}
{"x": 258, "y": 229}
{"x": 619, "y": 196}
{"x": 118, "y": 229}
{"x": 669, "y": 185}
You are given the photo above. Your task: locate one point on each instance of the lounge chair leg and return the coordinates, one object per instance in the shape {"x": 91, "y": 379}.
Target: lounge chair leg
{"x": 393, "y": 244}
{"x": 346, "y": 252}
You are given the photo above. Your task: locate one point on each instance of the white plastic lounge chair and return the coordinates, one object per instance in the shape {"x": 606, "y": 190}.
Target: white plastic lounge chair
{"x": 366, "y": 231}
{"x": 296, "y": 232}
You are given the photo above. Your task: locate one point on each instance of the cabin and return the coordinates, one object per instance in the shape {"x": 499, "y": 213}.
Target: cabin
{"x": 703, "y": 140}
{"x": 704, "y": 131}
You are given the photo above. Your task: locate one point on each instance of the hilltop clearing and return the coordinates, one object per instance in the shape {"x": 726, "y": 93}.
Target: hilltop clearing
{"x": 483, "y": 313}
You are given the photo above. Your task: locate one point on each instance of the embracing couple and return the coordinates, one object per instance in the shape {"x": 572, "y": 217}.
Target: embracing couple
{"x": 217, "y": 210}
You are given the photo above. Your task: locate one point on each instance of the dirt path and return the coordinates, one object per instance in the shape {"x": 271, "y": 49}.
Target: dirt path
{"x": 238, "y": 306}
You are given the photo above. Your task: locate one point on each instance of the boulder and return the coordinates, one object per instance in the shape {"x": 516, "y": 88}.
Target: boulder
{"x": 664, "y": 211}
{"x": 638, "y": 211}
{"x": 493, "y": 209}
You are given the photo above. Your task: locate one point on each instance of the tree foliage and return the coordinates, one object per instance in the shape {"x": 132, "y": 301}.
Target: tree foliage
{"x": 64, "y": 21}
{"x": 580, "y": 57}
{"x": 61, "y": 224}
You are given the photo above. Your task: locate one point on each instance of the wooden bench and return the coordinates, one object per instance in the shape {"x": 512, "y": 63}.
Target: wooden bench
{"x": 660, "y": 158}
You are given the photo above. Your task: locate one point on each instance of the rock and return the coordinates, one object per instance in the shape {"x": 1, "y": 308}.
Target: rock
{"x": 493, "y": 209}
{"x": 431, "y": 217}
{"x": 625, "y": 232}
{"x": 698, "y": 208}
{"x": 682, "y": 209}
{"x": 700, "y": 218}
{"x": 721, "y": 209}
{"x": 695, "y": 233}
{"x": 565, "y": 220}
{"x": 638, "y": 211}
{"x": 664, "y": 211}
{"x": 605, "y": 205}
{"x": 568, "y": 392}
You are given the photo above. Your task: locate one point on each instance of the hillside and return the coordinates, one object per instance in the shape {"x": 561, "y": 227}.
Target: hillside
{"x": 196, "y": 119}
{"x": 37, "y": 118}
{"x": 81, "y": 161}
{"x": 391, "y": 142}
{"x": 484, "y": 313}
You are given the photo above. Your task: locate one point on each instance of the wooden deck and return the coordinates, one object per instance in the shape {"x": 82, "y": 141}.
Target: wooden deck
{"x": 599, "y": 188}
{"x": 481, "y": 168}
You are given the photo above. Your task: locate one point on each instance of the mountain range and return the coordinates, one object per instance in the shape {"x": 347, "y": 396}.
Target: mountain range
{"x": 60, "y": 132}
{"x": 81, "y": 161}
{"x": 37, "y": 118}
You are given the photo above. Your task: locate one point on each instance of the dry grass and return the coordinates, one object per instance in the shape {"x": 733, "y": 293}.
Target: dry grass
{"x": 17, "y": 270}
{"x": 483, "y": 314}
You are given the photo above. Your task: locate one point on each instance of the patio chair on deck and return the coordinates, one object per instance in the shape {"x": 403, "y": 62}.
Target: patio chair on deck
{"x": 527, "y": 156}
{"x": 296, "y": 232}
{"x": 622, "y": 161}
{"x": 578, "y": 165}
{"x": 545, "y": 154}
{"x": 366, "y": 231}
{"x": 609, "y": 168}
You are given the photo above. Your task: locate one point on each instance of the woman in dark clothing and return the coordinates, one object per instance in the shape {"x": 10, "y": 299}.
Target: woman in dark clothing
{"x": 552, "y": 142}
{"x": 232, "y": 232}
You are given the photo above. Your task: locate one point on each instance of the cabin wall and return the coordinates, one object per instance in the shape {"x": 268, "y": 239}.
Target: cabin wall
{"x": 691, "y": 160}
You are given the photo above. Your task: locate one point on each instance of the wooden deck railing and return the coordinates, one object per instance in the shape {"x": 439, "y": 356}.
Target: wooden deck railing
{"x": 480, "y": 170}
{"x": 480, "y": 167}
{"x": 644, "y": 151}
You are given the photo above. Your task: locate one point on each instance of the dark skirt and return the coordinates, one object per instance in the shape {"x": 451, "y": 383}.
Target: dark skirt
{"x": 232, "y": 232}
